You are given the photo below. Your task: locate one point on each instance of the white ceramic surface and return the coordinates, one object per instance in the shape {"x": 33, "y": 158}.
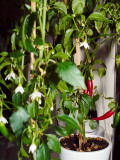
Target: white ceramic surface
{"x": 94, "y": 155}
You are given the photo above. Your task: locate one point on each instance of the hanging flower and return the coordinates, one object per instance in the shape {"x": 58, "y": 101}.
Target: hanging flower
{"x": 3, "y": 119}
{"x": 51, "y": 108}
{"x": 32, "y": 148}
{"x": 10, "y": 75}
{"x": 36, "y": 94}
{"x": 19, "y": 89}
{"x": 84, "y": 44}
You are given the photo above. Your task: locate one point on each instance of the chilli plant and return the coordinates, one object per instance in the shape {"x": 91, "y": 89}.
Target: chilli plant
{"x": 88, "y": 26}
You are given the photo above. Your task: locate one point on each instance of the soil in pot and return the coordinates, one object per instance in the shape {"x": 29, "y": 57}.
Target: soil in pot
{"x": 90, "y": 144}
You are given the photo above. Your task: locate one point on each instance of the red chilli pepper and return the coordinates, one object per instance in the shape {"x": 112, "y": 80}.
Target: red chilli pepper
{"x": 85, "y": 91}
{"x": 90, "y": 87}
{"x": 105, "y": 116}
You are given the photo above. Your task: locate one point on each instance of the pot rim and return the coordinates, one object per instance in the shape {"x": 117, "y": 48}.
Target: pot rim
{"x": 91, "y": 152}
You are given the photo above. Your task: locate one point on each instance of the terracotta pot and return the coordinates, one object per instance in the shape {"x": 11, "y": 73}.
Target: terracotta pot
{"x": 93, "y": 155}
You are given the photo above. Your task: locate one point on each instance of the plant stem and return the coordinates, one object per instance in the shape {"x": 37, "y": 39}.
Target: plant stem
{"x": 83, "y": 130}
{"x": 34, "y": 156}
{"x": 80, "y": 138}
{"x": 44, "y": 21}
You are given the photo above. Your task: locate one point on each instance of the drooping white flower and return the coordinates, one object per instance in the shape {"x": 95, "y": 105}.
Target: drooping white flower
{"x": 85, "y": 45}
{"x": 19, "y": 89}
{"x": 52, "y": 108}
{"x": 36, "y": 94}
{"x": 32, "y": 148}
{"x": 10, "y": 75}
{"x": 3, "y": 119}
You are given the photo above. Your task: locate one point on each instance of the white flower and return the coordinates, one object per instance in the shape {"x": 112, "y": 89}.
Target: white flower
{"x": 39, "y": 101}
{"x": 10, "y": 75}
{"x": 3, "y": 119}
{"x": 85, "y": 44}
{"x": 32, "y": 148}
{"x": 19, "y": 89}
{"x": 36, "y": 94}
{"x": 51, "y": 108}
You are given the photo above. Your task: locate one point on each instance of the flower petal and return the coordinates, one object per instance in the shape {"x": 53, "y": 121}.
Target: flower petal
{"x": 10, "y": 75}
{"x": 36, "y": 94}
{"x": 85, "y": 45}
{"x": 32, "y": 148}
{"x": 3, "y": 119}
{"x": 19, "y": 89}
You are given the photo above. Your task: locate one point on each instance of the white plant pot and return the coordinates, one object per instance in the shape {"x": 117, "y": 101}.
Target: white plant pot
{"x": 93, "y": 155}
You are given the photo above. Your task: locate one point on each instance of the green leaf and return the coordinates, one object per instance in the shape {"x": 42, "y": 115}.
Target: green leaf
{"x": 69, "y": 120}
{"x": 95, "y": 98}
{"x": 68, "y": 104}
{"x": 29, "y": 8}
{"x": 29, "y": 46}
{"x": 78, "y": 6}
{"x": 101, "y": 72}
{"x": 13, "y": 41}
{"x": 60, "y": 6}
{"x": 69, "y": 72}
{"x": 2, "y": 59}
{"x": 17, "y": 120}
{"x": 27, "y": 29}
{"x": 118, "y": 27}
{"x": 17, "y": 99}
{"x": 80, "y": 118}
{"x": 61, "y": 55}
{"x": 43, "y": 152}
{"x": 96, "y": 16}
{"x": 23, "y": 152}
{"x": 98, "y": 7}
{"x": 112, "y": 104}
{"x": 51, "y": 15}
{"x": 106, "y": 29}
{"x": 86, "y": 99}
{"x": 4, "y": 64}
{"x": 67, "y": 36}
{"x": 24, "y": 29}
{"x": 60, "y": 131}
{"x": 84, "y": 108}
{"x": 93, "y": 124}
{"x": 26, "y": 140}
{"x": 53, "y": 143}
{"x": 68, "y": 47}
{"x": 59, "y": 48}
{"x": 62, "y": 86}
{"x": 64, "y": 23}
{"x": 4, "y": 54}
{"x": 38, "y": 41}
{"x": 33, "y": 109}
{"x": 98, "y": 25}
{"x": 70, "y": 129}
{"x": 17, "y": 54}
{"x": 98, "y": 61}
